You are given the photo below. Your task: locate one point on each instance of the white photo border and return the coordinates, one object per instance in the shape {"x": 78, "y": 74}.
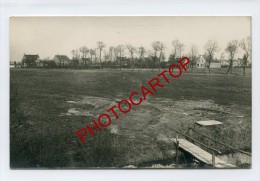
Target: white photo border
{"x": 127, "y": 8}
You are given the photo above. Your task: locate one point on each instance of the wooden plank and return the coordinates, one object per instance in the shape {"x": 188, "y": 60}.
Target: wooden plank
{"x": 216, "y": 141}
{"x": 201, "y": 154}
{"x": 208, "y": 123}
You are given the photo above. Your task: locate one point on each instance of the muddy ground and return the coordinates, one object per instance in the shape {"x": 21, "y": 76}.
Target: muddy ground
{"x": 149, "y": 123}
{"x": 51, "y": 105}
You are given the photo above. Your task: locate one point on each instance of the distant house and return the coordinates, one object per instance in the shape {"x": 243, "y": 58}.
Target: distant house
{"x": 215, "y": 65}
{"x": 62, "y": 60}
{"x": 30, "y": 60}
{"x": 15, "y": 64}
{"x": 39, "y": 63}
{"x": 123, "y": 61}
{"x": 12, "y": 64}
{"x": 201, "y": 62}
{"x": 224, "y": 63}
{"x": 48, "y": 63}
{"x": 236, "y": 63}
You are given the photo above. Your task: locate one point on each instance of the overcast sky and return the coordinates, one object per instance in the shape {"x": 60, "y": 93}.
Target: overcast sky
{"x": 48, "y": 36}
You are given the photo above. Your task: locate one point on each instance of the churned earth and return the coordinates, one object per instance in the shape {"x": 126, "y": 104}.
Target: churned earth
{"x": 54, "y": 104}
{"x": 148, "y": 124}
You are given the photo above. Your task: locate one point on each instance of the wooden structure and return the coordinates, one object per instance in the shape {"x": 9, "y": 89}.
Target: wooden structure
{"x": 198, "y": 153}
{"x": 208, "y": 123}
{"x": 201, "y": 155}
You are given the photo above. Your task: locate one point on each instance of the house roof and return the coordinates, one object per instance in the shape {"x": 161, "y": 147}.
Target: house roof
{"x": 31, "y": 57}
{"x": 62, "y": 57}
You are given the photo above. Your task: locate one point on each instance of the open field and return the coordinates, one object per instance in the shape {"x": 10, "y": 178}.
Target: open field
{"x": 53, "y": 104}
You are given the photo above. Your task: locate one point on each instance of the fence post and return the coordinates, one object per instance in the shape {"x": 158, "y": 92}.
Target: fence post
{"x": 213, "y": 158}
{"x": 177, "y": 149}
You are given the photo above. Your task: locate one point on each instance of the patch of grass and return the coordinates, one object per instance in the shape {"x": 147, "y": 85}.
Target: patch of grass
{"x": 103, "y": 150}
{"x": 47, "y": 139}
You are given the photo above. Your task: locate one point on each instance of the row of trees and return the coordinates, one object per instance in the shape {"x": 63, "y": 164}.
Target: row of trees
{"x": 155, "y": 56}
{"x": 117, "y": 54}
{"x": 231, "y": 49}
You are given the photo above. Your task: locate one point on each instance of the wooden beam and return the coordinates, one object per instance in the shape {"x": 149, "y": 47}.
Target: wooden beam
{"x": 244, "y": 152}
{"x": 213, "y": 159}
{"x": 177, "y": 149}
{"x": 213, "y": 149}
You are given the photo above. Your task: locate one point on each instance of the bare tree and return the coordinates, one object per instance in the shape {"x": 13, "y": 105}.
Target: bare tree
{"x": 222, "y": 58}
{"x": 120, "y": 49}
{"x": 100, "y": 46}
{"x": 92, "y": 53}
{"x": 178, "y": 47}
{"x": 161, "y": 48}
{"x": 211, "y": 48}
{"x": 150, "y": 61}
{"x": 84, "y": 50}
{"x": 231, "y": 49}
{"x": 141, "y": 52}
{"x": 75, "y": 57}
{"x": 111, "y": 55}
{"x": 116, "y": 53}
{"x": 73, "y": 53}
{"x": 175, "y": 44}
{"x": 106, "y": 57}
{"x": 245, "y": 45}
{"x": 132, "y": 51}
{"x": 155, "y": 46}
{"x": 193, "y": 56}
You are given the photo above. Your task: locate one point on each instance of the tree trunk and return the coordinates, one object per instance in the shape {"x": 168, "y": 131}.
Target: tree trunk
{"x": 100, "y": 58}
{"x": 229, "y": 71}
{"x": 120, "y": 61}
{"x": 209, "y": 67}
{"x": 154, "y": 60}
{"x": 231, "y": 67}
{"x": 132, "y": 62}
{"x": 141, "y": 64}
{"x": 244, "y": 64}
{"x": 160, "y": 61}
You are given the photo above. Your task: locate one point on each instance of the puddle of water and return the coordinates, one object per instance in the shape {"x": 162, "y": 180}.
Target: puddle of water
{"x": 90, "y": 103}
{"x": 72, "y": 102}
{"x": 113, "y": 129}
{"x": 77, "y": 112}
{"x": 97, "y": 102}
{"x": 240, "y": 116}
{"x": 73, "y": 111}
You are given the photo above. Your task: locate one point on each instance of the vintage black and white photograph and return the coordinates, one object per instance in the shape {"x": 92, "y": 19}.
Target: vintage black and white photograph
{"x": 130, "y": 92}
